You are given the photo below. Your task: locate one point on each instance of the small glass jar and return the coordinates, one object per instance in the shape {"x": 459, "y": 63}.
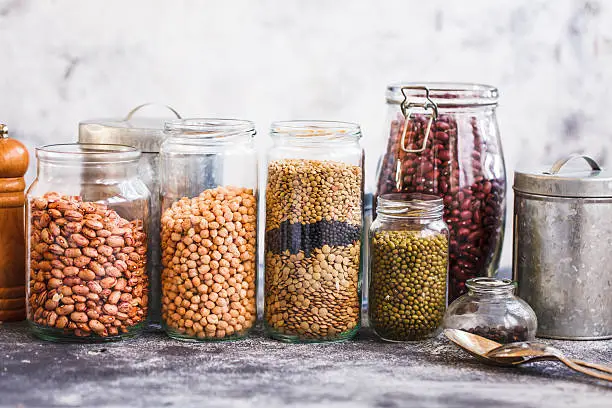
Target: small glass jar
{"x": 87, "y": 215}
{"x": 209, "y": 229}
{"x": 490, "y": 309}
{"x": 408, "y": 267}
{"x": 444, "y": 140}
{"x": 314, "y": 218}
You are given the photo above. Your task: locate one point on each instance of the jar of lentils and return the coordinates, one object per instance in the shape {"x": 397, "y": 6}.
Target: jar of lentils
{"x": 208, "y": 229}
{"x": 408, "y": 267}
{"x": 87, "y": 218}
{"x": 444, "y": 140}
{"x": 313, "y": 231}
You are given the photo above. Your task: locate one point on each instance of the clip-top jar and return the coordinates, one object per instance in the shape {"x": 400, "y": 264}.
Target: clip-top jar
{"x": 209, "y": 229}
{"x": 313, "y": 231}
{"x": 408, "y": 267}
{"x": 87, "y": 219}
{"x": 444, "y": 141}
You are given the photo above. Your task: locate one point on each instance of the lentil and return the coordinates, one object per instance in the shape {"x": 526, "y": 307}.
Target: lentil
{"x": 313, "y": 229}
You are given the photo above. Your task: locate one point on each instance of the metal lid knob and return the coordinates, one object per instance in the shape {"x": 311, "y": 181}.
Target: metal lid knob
{"x": 3, "y": 131}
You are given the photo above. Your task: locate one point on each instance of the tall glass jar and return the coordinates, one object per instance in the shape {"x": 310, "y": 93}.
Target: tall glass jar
{"x": 209, "y": 229}
{"x": 444, "y": 140}
{"x": 313, "y": 231}
{"x": 87, "y": 215}
{"x": 408, "y": 267}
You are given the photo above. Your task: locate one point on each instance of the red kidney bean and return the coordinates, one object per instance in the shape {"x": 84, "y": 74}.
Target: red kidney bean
{"x": 473, "y": 193}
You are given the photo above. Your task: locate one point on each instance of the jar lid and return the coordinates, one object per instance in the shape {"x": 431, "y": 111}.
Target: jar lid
{"x": 443, "y": 94}
{"x": 145, "y": 134}
{"x": 551, "y": 181}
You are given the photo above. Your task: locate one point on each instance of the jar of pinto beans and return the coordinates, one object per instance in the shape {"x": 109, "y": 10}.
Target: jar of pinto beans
{"x": 208, "y": 229}
{"x": 444, "y": 140}
{"x": 87, "y": 218}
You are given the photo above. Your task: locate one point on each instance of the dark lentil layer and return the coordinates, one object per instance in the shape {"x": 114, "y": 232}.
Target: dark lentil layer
{"x": 306, "y": 237}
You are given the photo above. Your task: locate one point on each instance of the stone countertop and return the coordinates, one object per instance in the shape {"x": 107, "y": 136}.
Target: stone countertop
{"x": 153, "y": 370}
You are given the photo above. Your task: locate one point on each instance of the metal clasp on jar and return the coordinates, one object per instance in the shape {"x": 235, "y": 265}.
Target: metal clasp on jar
{"x": 407, "y": 110}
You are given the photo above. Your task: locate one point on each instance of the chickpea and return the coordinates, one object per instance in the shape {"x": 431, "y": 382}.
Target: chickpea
{"x": 203, "y": 247}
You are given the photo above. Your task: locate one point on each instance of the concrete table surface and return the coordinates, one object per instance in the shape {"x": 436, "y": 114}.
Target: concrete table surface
{"x": 153, "y": 371}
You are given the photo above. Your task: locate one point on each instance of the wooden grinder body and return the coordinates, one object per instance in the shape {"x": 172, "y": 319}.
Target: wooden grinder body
{"x": 13, "y": 165}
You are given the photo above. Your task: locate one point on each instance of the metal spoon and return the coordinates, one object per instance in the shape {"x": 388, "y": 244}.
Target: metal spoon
{"x": 495, "y": 353}
{"x": 533, "y": 351}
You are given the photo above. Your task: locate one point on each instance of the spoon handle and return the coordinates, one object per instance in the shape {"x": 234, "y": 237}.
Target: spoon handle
{"x": 598, "y": 367}
{"x": 583, "y": 370}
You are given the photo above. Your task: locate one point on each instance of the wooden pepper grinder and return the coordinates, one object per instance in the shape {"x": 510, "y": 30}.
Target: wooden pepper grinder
{"x": 13, "y": 165}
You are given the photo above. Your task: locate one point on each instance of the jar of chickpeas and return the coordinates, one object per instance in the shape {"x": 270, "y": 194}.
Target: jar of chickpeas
{"x": 208, "y": 229}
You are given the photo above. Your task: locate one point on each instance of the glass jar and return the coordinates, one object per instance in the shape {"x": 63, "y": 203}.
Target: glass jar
{"x": 490, "y": 309}
{"x": 209, "y": 229}
{"x": 408, "y": 267}
{"x": 450, "y": 147}
{"x": 314, "y": 220}
{"x": 146, "y": 134}
{"x": 87, "y": 215}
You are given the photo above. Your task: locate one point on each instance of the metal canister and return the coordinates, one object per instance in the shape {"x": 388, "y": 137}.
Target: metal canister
{"x": 562, "y": 248}
{"x": 147, "y": 135}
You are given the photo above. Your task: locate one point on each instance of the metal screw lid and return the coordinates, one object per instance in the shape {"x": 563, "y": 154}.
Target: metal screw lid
{"x": 3, "y": 131}
{"x": 552, "y": 181}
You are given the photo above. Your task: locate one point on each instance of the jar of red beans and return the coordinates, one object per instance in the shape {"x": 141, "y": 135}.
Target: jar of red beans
{"x": 444, "y": 140}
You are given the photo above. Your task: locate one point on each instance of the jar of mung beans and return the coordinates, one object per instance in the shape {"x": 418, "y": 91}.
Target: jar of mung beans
{"x": 208, "y": 229}
{"x": 408, "y": 267}
{"x": 313, "y": 231}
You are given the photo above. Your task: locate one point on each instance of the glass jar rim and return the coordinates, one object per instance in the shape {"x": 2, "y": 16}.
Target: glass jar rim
{"x": 209, "y": 128}
{"x": 491, "y": 285}
{"x": 85, "y": 153}
{"x": 316, "y": 130}
{"x": 411, "y": 205}
{"x": 445, "y": 94}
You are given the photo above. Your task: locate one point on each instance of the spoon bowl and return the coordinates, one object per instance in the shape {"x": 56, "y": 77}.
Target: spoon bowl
{"x": 478, "y": 346}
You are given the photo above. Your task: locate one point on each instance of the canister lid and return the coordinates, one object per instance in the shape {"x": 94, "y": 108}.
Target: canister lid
{"x": 145, "y": 134}
{"x": 559, "y": 182}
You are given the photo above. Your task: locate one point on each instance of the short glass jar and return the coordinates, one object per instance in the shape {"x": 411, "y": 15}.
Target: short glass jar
{"x": 408, "y": 267}
{"x": 87, "y": 218}
{"x": 209, "y": 229}
{"x": 314, "y": 218}
{"x": 444, "y": 140}
{"x": 490, "y": 309}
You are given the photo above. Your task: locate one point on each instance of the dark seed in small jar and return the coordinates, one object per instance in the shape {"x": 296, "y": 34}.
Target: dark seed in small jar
{"x": 501, "y": 334}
